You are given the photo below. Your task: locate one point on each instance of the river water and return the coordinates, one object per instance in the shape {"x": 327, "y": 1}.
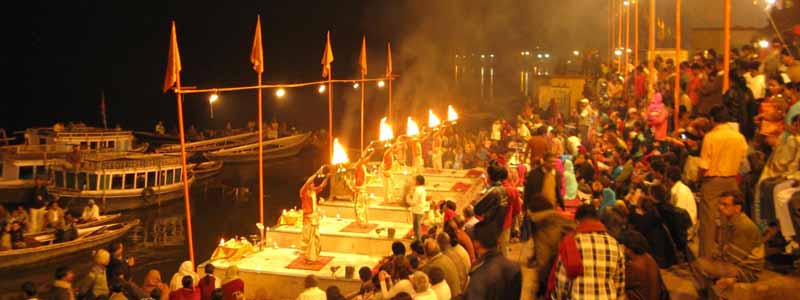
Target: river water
{"x": 222, "y": 206}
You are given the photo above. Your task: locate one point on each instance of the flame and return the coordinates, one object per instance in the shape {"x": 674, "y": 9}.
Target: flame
{"x": 411, "y": 128}
{"x": 386, "y": 131}
{"x": 451, "y": 113}
{"x": 222, "y": 242}
{"x": 433, "y": 120}
{"x": 339, "y": 155}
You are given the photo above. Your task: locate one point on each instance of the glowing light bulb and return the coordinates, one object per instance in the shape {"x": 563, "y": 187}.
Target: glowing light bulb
{"x": 322, "y": 88}
{"x": 280, "y": 92}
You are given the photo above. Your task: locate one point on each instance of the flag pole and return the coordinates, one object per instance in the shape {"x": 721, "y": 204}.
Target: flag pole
{"x": 677, "y": 88}
{"x": 619, "y": 34}
{"x": 389, "y": 75}
{"x": 259, "y": 70}
{"x": 651, "y": 47}
{"x": 363, "y": 61}
{"x": 726, "y": 45}
{"x": 174, "y": 69}
{"x": 636, "y": 32}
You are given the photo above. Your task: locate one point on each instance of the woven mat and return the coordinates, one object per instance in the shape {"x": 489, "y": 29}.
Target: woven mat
{"x": 358, "y": 228}
{"x": 300, "y": 263}
{"x": 474, "y": 173}
{"x": 460, "y": 187}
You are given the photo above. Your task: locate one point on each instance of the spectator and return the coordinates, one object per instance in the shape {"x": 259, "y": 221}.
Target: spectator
{"x": 62, "y": 286}
{"x": 548, "y": 229}
{"x": 186, "y": 269}
{"x": 152, "y": 282}
{"x": 187, "y": 290}
{"x": 95, "y": 284}
{"x": 493, "y": 206}
{"x": 333, "y": 293}
{"x": 590, "y": 264}
{"x": 208, "y": 283}
{"x": 29, "y": 289}
{"x": 437, "y": 259}
{"x": 312, "y": 291}
{"x": 461, "y": 263}
{"x": 494, "y": 277}
{"x": 233, "y": 287}
{"x": 642, "y": 277}
{"x": 546, "y": 181}
{"x": 400, "y": 271}
{"x": 422, "y": 287}
{"x": 438, "y": 284}
{"x": 739, "y": 255}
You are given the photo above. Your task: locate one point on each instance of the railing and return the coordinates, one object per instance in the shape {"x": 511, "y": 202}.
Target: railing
{"x": 125, "y": 162}
{"x": 28, "y": 149}
{"x": 80, "y": 132}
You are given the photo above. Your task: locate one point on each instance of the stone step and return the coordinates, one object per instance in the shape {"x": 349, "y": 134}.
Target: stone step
{"x": 378, "y": 211}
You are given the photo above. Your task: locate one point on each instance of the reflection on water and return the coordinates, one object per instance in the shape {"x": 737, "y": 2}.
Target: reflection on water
{"x": 222, "y": 207}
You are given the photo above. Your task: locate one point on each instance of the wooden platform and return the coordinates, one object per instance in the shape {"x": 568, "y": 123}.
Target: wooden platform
{"x": 332, "y": 237}
{"x": 266, "y": 276}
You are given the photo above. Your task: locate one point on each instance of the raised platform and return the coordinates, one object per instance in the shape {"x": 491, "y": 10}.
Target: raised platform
{"x": 332, "y": 238}
{"x": 378, "y": 210}
{"x": 266, "y": 275}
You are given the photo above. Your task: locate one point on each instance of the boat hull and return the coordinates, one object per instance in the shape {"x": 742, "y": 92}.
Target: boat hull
{"x": 41, "y": 255}
{"x": 110, "y": 203}
{"x": 290, "y": 149}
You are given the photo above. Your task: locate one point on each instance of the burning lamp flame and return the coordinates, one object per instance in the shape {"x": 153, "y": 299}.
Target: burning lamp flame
{"x": 339, "y": 155}
{"x": 433, "y": 120}
{"x": 451, "y": 113}
{"x": 411, "y": 128}
{"x": 386, "y": 131}
{"x": 222, "y": 242}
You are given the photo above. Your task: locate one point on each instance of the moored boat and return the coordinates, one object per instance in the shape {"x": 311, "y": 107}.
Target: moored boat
{"x": 273, "y": 149}
{"x": 103, "y": 219}
{"x": 121, "y": 181}
{"x": 212, "y": 144}
{"x": 207, "y": 169}
{"x": 44, "y": 250}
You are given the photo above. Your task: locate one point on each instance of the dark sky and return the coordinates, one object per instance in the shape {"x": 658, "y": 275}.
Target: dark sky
{"x": 59, "y": 55}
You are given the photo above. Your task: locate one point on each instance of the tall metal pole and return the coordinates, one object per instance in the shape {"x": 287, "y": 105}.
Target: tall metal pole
{"x": 625, "y": 54}
{"x": 651, "y": 47}
{"x": 186, "y": 201}
{"x": 619, "y": 34}
{"x": 610, "y": 31}
{"x": 363, "y": 87}
{"x": 260, "y": 156}
{"x": 677, "y": 91}
{"x": 330, "y": 113}
{"x": 635, "y": 32}
{"x": 726, "y": 45}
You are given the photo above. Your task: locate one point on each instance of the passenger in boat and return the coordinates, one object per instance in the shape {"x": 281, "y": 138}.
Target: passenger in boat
{"x": 55, "y": 215}
{"x": 68, "y": 231}
{"x": 272, "y": 130}
{"x": 20, "y": 215}
{"x": 91, "y": 212}
{"x": 17, "y": 236}
{"x": 36, "y": 205}
{"x": 5, "y": 238}
{"x": 74, "y": 158}
{"x": 160, "y": 129}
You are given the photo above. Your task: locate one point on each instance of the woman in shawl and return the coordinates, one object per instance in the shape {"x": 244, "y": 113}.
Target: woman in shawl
{"x": 657, "y": 117}
{"x": 186, "y": 269}
{"x": 570, "y": 184}
{"x": 233, "y": 286}
{"x": 153, "y": 281}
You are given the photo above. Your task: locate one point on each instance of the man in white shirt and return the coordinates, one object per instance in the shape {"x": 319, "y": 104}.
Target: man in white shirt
{"x": 682, "y": 196}
{"x": 312, "y": 291}
{"x": 419, "y": 205}
{"x": 756, "y": 81}
{"x": 91, "y": 212}
{"x": 438, "y": 284}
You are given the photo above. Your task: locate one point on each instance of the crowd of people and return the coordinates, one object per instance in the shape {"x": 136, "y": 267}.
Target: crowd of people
{"x": 611, "y": 192}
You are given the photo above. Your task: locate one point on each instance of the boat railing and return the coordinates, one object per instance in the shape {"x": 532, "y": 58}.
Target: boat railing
{"x": 28, "y": 149}
{"x": 80, "y": 132}
{"x": 130, "y": 162}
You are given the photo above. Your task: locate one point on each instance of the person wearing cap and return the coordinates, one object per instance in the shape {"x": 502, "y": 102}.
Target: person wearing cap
{"x": 91, "y": 212}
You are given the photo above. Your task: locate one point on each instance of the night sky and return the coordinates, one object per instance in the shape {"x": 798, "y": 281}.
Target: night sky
{"x": 60, "y": 55}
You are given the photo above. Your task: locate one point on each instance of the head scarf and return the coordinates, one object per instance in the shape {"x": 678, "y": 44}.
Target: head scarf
{"x": 187, "y": 268}
{"x": 231, "y": 274}
{"x": 609, "y": 199}
{"x": 571, "y": 183}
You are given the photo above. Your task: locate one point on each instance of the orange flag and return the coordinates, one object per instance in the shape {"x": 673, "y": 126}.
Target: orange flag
{"x": 327, "y": 57}
{"x": 257, "y": 53}
{"x": 389, "y": 61}
{"x": 363, "y": 58}
{"x": 174, "y": 61}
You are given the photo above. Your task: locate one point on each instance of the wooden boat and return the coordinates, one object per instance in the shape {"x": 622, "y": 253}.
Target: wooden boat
{"x": 273, "y": 149}
{"x": 121, "y": 181}
{"x": 103, "y": 219}
{"x": 46, "y": 250}
{"x": 91, "y": 139}
{"x": 207, "y": 169}
{"x": 212, "y": 144}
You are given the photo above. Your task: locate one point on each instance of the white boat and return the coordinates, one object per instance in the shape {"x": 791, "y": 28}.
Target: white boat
{"x": 212, "y": 144}
{"x": 273, "y": 149}
{"x": 121, "y": 181}
{"x": 45, "y": 250}
{"x": 21, "y": 164}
